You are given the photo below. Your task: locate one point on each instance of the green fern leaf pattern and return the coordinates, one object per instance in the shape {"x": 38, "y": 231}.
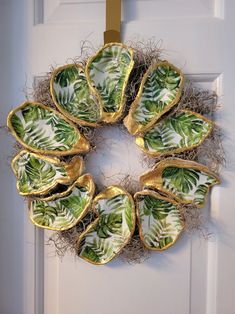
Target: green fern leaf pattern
{"x": 43, "y": 129}
{"x": 179, "y": 132}
{"x": 160, "y": 90}
{"x": 72, "y": 95}
{"x": 111, "y": 232}
{"x": 97, "y": 250}
{"x": 108, "y": 72}
{"x": 61, "y": 213}
{"x": 36, "y": 174}
{"x": 159, "y": 219}
{"x": 188, "y": 184}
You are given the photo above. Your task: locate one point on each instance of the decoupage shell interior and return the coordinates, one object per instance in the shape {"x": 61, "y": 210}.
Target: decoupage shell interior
{"x": 181, "y": 131}
{"x": 38, "y": 174}
{"x": 63, "y": 210}
{"x": 159, "y": 219}
{"x": 108, "y": 72}
{"x": 186, "y": 181}
{"x": 112, "y": 230}
{"x": 159, "y": 91}
{"x": 73, "y": 97}
{"x": 44, "y": 130}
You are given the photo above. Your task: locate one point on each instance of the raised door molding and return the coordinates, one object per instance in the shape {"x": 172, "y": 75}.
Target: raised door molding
{"x": 72, "y": 11}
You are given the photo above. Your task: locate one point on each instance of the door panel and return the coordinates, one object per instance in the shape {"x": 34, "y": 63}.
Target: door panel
{"x": 56, "y": 11}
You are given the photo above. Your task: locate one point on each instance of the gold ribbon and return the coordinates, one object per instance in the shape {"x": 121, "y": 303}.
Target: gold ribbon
{"x": 113, "y": 21}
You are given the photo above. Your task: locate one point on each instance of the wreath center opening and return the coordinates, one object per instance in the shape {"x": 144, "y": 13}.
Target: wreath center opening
{"x": 116, "y": 158}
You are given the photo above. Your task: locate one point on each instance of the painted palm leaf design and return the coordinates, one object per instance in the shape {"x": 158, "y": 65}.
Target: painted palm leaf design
{"x": 63, "y": 211}
{"x": 44, "y": 130}
{"x": 159, "y": 219}
{"x": 112, "y": 230}
{"x": 37, "y": 174}
{"x": 72, "y": 95}
{"x": 107, "y": 73}
{"x": 159, "y": 91}
{"x": 187, "y": 181}
{"x": 179, "y": 132}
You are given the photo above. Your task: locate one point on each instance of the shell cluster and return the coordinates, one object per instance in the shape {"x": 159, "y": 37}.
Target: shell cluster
{"x": 60, "y": 194}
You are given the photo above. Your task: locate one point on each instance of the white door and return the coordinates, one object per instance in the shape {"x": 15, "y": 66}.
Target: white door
{"x": 195, "y": 276}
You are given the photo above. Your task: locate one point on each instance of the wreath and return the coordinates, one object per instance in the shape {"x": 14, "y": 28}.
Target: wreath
{"x": 166, "y": 116}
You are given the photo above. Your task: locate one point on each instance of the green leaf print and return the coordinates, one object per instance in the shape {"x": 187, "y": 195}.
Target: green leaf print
{"x": 109, "y": 224}
{"x": 103, "y": 240}
{"x": 43, "y": 130}
{"x": 182, "y": 179}
{"x": 181, "y": 131}
{"x": 159, "y": 91}
{"x": 186, "y": 181}
{"x": 188, "y": 184}
{"x": 108, "y": 72}
{"x": 159, "y": 218}
{"x": 36, "y": 174}
{"x": 72, "y": 95}
{"x": 61, "y": 212}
